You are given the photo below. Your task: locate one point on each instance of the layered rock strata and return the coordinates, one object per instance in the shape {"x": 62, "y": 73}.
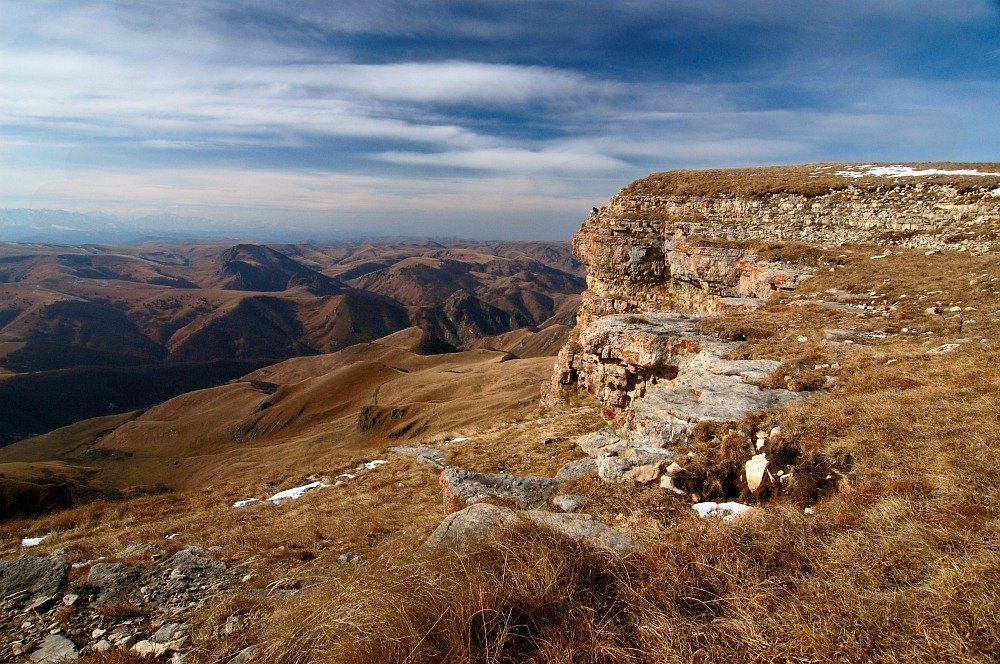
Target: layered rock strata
{"x": 658, "y": 377}
{"x": 655, "y": 252}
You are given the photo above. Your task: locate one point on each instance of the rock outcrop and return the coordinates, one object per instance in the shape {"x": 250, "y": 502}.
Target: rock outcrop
{"x": 658, "y": 377}
{"x": 677, "y": 241}
{"x": 460, "y": 488}
{"x": 470, "y": 526}
{"x": 31, "y": 577}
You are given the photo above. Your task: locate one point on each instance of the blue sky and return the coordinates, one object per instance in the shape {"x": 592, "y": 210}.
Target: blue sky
{"x": 482, "y": 118}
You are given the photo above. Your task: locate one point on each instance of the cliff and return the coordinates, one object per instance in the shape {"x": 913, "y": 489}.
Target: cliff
{"x": 686, "y": 243}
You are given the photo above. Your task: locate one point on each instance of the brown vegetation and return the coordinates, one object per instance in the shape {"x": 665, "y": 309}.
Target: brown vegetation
{"x": 806, "y": 180}
{"x": 898, "y": 565}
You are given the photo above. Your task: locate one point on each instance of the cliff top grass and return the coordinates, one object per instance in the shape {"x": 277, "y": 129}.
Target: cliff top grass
{"x": 810, "y": 179}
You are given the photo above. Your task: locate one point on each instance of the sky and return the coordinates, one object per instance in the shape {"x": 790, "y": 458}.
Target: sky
{"x": 465, "y": 118}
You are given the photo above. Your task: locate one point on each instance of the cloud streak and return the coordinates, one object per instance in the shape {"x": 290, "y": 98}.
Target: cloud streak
{"x": 318, "y": 112}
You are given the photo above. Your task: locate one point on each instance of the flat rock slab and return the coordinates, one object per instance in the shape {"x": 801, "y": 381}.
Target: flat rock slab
{"x": 428, "y": 455}
{"x": 620, "y": 468}
{"x": 460, "y": 488}
{"x": 709, "y": 388}
{"x": 117, "y": 583}
{"x": 36, "y": 575}
{"x": 55, "y": 648}
{"x": 601, "y": 443}
{"x": 465, "y": 529}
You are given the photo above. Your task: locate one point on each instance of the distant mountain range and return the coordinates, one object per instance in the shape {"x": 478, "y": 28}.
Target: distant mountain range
{"x": 111, "y": 329}
{"x": 76, "y": 228}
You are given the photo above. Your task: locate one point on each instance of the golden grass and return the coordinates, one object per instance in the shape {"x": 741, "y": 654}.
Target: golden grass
{"x": 803, "y": 179}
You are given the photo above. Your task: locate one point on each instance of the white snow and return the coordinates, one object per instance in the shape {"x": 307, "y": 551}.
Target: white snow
{"x": 32, "y": 541}
{"x": 459, "y": 439}
{"x": 726, "y": 511}
{"x": 906, "y": 172}
{"x": 296, "y": 492}
{"x": 87, "y": 562}
{"x": 995, "y": 193}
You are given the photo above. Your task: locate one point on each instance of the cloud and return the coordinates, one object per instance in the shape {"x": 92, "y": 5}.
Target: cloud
{"x": 315, "y": 110}
{"x": 516, "y": 160}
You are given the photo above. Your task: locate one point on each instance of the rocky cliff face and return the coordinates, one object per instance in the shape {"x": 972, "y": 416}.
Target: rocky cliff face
{"x": 674, "y": 245}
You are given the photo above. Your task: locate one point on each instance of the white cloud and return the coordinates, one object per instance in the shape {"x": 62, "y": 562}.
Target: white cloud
{"x": 516, "y": 160}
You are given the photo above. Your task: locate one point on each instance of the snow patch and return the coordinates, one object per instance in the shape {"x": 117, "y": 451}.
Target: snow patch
{"x": 726, "y": 511}
{"x": 295, "y": 492}
{"x": 906, "y": 172}
{"x": 995, "y": 193}
{"x": 459, "y": 439}
{"x": 315, "y": 483}
{"x": 32, "y": 541}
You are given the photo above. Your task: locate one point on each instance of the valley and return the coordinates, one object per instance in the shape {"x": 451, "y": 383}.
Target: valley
{"x": 94, "y": 330}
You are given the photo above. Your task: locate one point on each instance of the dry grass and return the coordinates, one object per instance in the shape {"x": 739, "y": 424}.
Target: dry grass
{"x": 804, "y": 180}
{"x": 900, "y": 566}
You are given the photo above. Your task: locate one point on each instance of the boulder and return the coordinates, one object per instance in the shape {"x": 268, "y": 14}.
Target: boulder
{"x": 33, "y": 576}
{"x": 638, "y": 465}
{"x": 599, "y": 443}
{"x": 472, "y": 525}
{"x": 169, "y": 632}
{"x": 645, "y": 474}
{"x": 463, "y": 487}
{"x": 55, "y": 648}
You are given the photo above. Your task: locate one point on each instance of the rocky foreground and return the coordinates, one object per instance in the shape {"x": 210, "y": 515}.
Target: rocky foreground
{"x": 771, "y": 437}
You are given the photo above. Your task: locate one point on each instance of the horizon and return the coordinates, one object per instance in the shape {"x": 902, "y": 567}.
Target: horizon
{"x": 474, "y": 120}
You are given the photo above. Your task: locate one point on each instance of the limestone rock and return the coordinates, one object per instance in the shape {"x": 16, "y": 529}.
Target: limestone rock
{"x": 572, "y": 470}
{"x": 169, "y": 632}
{"x": 463, "y": 487}
{"x": 756, "y": 471}
{"x": 726, "y": 511}
{"x": 34, "y": 576}
{"x": 473, "y": 524}
{"x": 604, "y": 442}
{"x": 637, "y": 465}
